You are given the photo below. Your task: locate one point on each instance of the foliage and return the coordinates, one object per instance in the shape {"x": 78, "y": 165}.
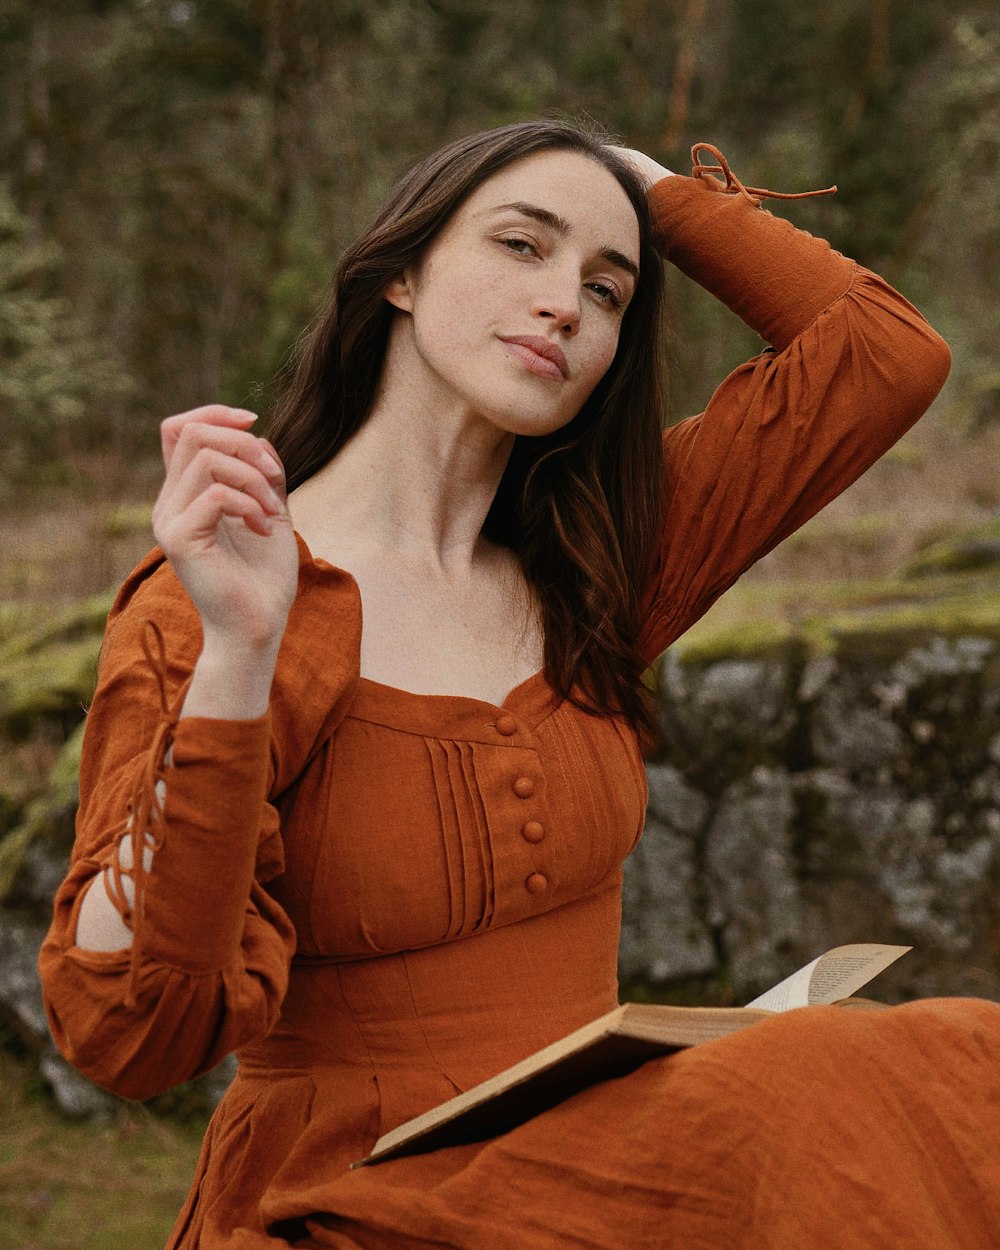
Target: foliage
{"x": 201, "y": 165}
{"x": 51, "y": 371}
{"x": 964, "y": 230}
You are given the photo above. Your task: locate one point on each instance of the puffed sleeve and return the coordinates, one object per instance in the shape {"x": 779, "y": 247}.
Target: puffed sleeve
{"x": 208, "y": 966}
{"x": 851, "y": 366}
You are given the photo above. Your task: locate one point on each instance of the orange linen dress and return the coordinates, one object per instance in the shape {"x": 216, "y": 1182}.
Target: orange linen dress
{"x": 378, "y": 898}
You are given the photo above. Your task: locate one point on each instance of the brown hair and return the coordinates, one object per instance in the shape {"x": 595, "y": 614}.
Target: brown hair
{"x": 581, "y": 506}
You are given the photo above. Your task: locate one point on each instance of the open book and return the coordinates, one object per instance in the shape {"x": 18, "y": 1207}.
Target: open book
{"x": 618, "y": 1043}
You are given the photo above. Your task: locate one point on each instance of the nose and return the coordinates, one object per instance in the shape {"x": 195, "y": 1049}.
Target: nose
{"x": 560, "y": 303}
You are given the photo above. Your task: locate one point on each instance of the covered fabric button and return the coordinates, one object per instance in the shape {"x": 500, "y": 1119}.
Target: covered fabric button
{"x": 506, "y": 725}
{"x": 524, "y": 787}
{"x": 536, "y": 883}
{"x": 533, "y": 831}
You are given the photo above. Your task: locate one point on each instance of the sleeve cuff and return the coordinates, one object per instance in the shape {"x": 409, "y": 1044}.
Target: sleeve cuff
{"x": 774, "y": 277}
{"x": 196, "y": 891}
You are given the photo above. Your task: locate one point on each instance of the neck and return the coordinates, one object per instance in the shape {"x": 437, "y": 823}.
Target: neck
{"x": 418, "y": 478}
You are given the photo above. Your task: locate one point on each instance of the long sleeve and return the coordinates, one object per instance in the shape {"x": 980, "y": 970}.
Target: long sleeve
{"x": 208, "y": 967}
{"x": 851, "y": 367}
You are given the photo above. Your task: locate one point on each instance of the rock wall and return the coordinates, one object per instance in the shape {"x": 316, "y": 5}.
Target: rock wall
{"x": 814, "y": 790}
{"x": 831, "y": 781}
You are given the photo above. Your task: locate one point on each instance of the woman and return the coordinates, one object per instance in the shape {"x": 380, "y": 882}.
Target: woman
{"x": 380, "y": 858}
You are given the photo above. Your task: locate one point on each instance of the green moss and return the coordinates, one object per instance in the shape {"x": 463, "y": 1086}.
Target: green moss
{"x": 807, "y": 620}
{"x": 47, "y": 674}
{"x": 12, "y": 852}
{"x": 753, "y": 640}
{"x": 15, "y": 618}
{"x": 966, "y": 551}
{"x": 951, "y": 618}
{"x": 85, "y": 619}
{"x": 63, "y": 779}
{"x": 55, "y": 683}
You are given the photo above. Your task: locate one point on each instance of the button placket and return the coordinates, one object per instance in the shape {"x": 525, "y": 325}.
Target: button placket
{"x": 532, "y": 831}
{"x": 526, "y": 787}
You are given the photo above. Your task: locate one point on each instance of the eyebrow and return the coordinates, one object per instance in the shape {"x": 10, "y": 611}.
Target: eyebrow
{"x": 562, "y": 227}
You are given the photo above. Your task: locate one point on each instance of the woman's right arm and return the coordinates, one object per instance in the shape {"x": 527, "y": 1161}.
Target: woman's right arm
{"x": 154, "y": 970}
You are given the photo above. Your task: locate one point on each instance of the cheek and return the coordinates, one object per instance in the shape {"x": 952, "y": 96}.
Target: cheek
{"x": 601, "y": 357}
{"x": 465, "y": 305}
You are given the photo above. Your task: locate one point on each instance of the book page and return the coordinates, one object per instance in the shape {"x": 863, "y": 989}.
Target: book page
{"x": 837, "y": 974}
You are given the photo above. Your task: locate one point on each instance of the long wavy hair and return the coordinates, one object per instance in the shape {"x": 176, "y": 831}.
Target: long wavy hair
{"x": 581, "y": 506}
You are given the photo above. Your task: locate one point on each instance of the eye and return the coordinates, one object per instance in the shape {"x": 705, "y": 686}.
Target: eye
{"x": 518, "y": 245}
{"x": 607, "y": 294}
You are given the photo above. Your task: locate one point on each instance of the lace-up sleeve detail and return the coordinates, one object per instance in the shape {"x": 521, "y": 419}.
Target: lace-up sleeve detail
{"x": 144, "y": 828}
{"x": 175, "y": 816}
{"x": 852, "y": 365}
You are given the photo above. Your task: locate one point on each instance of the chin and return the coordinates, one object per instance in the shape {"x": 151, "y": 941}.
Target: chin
{"x": 527, "y": 424}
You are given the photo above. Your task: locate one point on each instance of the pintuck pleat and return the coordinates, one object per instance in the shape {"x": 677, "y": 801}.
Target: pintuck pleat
{"x": 464, "y": 834}
{"x": 481, "y": 837}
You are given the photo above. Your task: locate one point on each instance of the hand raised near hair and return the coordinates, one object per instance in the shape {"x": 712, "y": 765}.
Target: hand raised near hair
{"x": 649, "y": 171}
{"x": 222, "y": 521}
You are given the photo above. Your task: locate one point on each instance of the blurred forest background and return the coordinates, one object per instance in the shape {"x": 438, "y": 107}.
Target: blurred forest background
{"x": 177, "y": 178}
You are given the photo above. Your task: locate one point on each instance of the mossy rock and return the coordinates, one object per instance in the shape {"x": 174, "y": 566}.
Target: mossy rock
{"x": 894, "y": 625}
{"x": 53, "y": 685}
{"x": 48, "y": 667}
{"x": 969, "y": 551}
{"x": 43, "y": 816}
{"x": 15, "y": 619}
{"x": 28, "y": 636}
{"x": 885, "y": 615}
{"x": 758, "y": 639}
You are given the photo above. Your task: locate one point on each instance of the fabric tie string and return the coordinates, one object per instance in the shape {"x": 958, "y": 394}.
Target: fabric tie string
{"x": 734, "y": 186}
{"x": 145, "y": 824}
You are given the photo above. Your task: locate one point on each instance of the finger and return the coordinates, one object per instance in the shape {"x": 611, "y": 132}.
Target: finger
{"x": 209, "y": 414}
{"x": 208, "y": 468}
{"x": 197, "y": 526}
{"x": 277, "y": 459}
{"x": 239, "y": 444}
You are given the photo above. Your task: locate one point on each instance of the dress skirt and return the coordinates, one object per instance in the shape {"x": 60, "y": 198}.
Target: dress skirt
{"x": 822, "y": 1128}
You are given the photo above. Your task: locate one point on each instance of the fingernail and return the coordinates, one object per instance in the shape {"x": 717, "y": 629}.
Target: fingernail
{"x": 272, "y": 465}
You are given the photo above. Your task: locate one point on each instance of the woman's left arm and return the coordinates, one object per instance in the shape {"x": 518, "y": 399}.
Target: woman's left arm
{"x": 851, "y": 366}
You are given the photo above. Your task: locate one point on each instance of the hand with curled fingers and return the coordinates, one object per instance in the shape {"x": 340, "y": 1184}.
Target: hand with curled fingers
{"x": 222, "y": 520}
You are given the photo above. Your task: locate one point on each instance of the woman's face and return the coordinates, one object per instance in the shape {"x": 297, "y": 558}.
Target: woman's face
{"x": 516, "y": 307}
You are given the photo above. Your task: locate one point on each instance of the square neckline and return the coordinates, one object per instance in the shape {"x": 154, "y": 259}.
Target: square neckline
{"x": 385, "y": 690}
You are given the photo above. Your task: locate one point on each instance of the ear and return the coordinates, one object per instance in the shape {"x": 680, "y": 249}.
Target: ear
{"x": 399, "y": 292}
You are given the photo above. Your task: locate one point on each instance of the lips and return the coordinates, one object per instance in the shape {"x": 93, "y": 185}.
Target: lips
{"x": 540, "y": 355}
